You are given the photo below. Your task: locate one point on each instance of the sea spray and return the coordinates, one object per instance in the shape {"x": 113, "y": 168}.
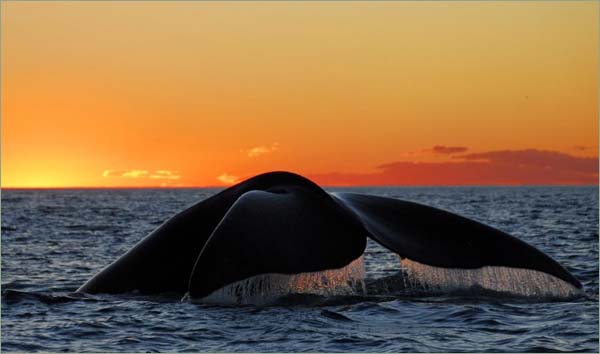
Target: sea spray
{"x": 422, "y": 278}
{"x": 267, "y": 288}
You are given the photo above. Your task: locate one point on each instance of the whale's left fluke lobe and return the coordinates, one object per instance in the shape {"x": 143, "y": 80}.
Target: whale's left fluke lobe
{"x": 442, "y": 239}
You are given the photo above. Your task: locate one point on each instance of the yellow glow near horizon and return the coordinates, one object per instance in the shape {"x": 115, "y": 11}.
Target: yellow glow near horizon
{"x": 192, "y": 87}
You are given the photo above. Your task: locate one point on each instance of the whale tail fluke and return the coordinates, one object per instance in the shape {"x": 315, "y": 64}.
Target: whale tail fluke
{"x": 282, "y": 223}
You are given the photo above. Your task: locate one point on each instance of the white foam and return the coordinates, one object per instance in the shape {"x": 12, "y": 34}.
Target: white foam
{"x": 511, "y": 281}
{"x": 266, "y": 288}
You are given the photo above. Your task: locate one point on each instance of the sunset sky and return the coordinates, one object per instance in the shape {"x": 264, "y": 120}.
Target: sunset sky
{"x": 380, "y": 93}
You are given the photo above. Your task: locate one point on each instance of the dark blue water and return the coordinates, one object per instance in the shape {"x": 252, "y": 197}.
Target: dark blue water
{"x": 54, "y": 240}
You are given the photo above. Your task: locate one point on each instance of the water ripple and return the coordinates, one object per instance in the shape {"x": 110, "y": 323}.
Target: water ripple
{"x": 52, "y": 241}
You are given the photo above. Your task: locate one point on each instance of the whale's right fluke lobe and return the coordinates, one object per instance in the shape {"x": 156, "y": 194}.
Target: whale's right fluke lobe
{"x": 289, "y": 229}
{"x": 442, "y": 239}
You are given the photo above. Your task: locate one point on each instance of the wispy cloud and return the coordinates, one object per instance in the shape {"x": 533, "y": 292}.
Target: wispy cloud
{"x": 260, "y": 150}
{"x": 142, "y": 174}
{"x": 125, "y": 173}
{"x": 135, "y": 174}
{"x": 165, "y": 174}
{"x": 227, "y": 178}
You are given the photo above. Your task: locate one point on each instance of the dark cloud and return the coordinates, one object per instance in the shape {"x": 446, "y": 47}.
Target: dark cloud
{"x": 582, "y": 147}
{"x": 440, "y": 149}
{"x": 506, "y": 167}
{"x": 532, "y": 158}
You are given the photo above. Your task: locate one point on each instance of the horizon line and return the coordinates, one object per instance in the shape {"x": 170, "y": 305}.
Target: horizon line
{"x": 322, "y": 186}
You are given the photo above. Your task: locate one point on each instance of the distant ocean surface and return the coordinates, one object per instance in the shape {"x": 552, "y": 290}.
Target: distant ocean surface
{"x": 54, "y": 240}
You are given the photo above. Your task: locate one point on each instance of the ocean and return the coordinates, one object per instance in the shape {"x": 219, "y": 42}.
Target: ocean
{"x": 54, "y": 240}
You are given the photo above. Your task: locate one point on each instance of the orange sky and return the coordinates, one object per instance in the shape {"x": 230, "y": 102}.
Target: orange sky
{"x": 201, "y": 93}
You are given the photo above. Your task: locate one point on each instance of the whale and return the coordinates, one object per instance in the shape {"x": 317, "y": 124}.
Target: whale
{"x": 281, "y": 232}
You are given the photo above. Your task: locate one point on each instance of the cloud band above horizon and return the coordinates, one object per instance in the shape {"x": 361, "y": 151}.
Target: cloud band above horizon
{"x": 504, "y": 167}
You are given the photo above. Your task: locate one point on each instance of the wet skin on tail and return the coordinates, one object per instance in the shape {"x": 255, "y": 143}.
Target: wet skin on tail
{"x": 280, "y": 222}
